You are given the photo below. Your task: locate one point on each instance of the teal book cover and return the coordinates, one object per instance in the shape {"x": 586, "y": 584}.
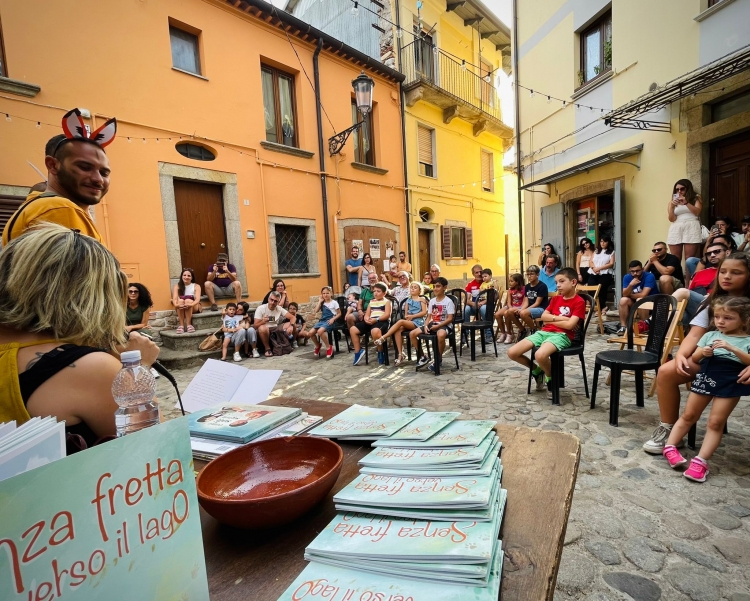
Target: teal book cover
{"x": 238, "y": 423}
{"x": 467, "y": 574}
{"x": 451, "y": 514}
{"x": 418, "y": 492}
{"x": 425, "y": 426}
{"x": 400, "y": 457}
{"x": 117, "y": 521}
{"x": 481, "y": 470}
{"x": 320, "y": 582}
{"x": 360, "y": 421}
{"x": 366, "y": 536}
{"x": 459, "y": 433}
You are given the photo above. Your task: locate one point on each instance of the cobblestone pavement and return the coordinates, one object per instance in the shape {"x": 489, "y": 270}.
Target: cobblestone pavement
{"x": 637, "y": 530}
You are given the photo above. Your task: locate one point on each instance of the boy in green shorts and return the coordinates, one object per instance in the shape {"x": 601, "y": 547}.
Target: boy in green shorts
{"x": 560, "y": 321}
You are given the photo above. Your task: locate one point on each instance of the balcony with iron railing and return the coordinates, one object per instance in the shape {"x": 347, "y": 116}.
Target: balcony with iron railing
{"x": 435, "y": 77}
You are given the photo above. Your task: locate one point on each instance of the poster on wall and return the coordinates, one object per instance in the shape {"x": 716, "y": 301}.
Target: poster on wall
{"x": 90, "y": 526}
{"x": 375, "y": 248}
{"x": 389, "y": 250}
{"x": 360, "y": 245}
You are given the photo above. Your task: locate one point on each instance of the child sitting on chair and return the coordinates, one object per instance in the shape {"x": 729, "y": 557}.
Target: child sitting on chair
{"x": 560, "y": 319}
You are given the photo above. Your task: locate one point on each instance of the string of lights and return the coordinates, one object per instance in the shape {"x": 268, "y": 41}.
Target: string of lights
{"x": 533, "y": 93}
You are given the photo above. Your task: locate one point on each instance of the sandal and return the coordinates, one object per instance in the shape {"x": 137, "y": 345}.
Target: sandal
{"x": 400, "y": 360}
{"x": 179, "y": 330}
{"x": 269, "y": 354}
{"x": 379, "y": 341}
{"x": 190, "y": 329}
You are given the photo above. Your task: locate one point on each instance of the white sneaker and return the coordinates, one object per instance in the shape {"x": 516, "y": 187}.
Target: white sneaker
{"x": 295, "y": 345}
{"x": 237, "y": 357}
{"x": 508, "y": 339}
{"x": 256, "y": 354}
{"x": 655, "y": 445}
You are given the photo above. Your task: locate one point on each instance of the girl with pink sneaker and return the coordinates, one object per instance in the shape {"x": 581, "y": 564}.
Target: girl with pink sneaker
{"x": 722, "y": 353}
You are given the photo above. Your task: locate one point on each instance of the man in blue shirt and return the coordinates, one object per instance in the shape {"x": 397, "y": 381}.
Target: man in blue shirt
{"x": 547, "y": 275}
{"x": 636, "y": 284}
{"x": 352, "y": 267}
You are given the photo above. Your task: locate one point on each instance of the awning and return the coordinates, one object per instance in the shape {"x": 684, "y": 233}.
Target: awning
{"x": 610, "y": 157}
{"x": 627, "y": 116}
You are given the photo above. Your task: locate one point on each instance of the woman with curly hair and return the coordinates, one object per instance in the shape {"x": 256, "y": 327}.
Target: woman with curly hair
{"x": 137, "y": 309}
{"x": 186, "y": 298}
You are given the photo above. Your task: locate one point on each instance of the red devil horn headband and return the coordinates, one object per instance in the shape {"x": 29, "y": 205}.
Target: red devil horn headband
{"x": 74, "y": 127}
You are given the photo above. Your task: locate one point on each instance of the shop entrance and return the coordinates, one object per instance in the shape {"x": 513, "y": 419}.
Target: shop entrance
{"x": 594, "y": 218}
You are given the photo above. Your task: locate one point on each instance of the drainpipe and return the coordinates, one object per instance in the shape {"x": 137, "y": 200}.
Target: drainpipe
{"x": 403, "y": 139}
{"x": 518, "y": 134}
{"x": 321, "y": 151}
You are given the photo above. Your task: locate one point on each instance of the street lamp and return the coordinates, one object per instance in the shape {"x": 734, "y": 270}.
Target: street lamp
{"x": 363, "y": 97}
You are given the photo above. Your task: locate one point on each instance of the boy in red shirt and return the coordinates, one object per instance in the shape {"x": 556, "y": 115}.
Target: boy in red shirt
{"x": 560, "y": 321}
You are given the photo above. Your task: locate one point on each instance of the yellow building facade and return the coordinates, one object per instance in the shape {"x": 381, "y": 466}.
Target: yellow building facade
{"x": 617, "y": 101}
{"x": 454, "y": 134}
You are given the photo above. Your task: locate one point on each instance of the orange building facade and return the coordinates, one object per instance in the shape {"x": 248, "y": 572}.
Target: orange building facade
{"x": 218, "y": 146}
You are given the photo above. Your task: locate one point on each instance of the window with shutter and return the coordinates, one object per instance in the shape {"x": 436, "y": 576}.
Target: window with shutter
{"x": 487, "y": 171}
{"x": 469, "y": 243}
{"x": 458, "y": 242}
{"x": 8, "y": 206}
{"x": 445, "y": 235}
{"x": 425, "y": 139}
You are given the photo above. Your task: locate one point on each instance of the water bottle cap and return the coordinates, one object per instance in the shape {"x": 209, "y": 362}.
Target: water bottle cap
{"x": 130, "y": 356}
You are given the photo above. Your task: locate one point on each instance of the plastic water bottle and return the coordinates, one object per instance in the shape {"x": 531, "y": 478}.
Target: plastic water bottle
{"x": 134, "y": 389}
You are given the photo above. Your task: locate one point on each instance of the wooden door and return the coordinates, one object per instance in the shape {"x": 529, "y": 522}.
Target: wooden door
{"x": 424, "y": 253}
{"x": 730, "y": 178}
{"x": 365, "y": 233}
{"x": 200, "y": 223}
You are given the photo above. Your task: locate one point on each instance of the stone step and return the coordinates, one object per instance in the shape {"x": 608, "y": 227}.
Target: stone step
{"x": 207, "y": 319}
{"x": 174, "y": 360}
{"x": 186, "y": 341}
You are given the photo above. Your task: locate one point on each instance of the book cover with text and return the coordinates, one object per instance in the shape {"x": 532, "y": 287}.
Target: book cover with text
{"x": 238, "y": 423}
{"x": 360, "y": 421}
{"x": 400, "y": 457}
{"x": 425, "y": 426}
{"x": 459, "y": 433}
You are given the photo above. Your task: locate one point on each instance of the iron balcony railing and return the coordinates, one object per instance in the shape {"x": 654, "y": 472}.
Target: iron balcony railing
{"x": 423, "y": 63}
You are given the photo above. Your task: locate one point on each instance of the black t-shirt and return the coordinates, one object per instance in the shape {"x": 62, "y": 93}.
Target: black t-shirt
{"x": 668, "y": 261}
{"x": 533, "y": 292}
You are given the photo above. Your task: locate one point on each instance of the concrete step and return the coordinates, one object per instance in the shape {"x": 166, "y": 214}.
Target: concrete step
{"x": 174, "y": 360}
{"x": 186, "y": 341}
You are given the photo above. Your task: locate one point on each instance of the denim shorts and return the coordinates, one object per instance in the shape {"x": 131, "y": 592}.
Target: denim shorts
{"x": 536, "y": 312}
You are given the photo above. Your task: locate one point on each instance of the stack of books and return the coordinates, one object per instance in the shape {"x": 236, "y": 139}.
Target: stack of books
{"x": 218, "y": 430}
{"x": 37, "y": 442}
{"x": 424, "y": 512}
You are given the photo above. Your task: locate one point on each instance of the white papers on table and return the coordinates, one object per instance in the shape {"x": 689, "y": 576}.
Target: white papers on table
{"x": 220, "y": 382}
{"x": 37, "y": 442}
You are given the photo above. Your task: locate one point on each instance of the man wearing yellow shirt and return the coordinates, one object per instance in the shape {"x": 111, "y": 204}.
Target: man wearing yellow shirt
{"x": 78, "y": 178}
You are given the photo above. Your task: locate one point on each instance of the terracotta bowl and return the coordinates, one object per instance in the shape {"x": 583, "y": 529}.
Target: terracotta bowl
{"x": 269, "y": 483}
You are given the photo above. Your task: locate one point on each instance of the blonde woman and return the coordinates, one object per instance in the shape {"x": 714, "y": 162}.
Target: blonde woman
{"x": 62, "y": 304}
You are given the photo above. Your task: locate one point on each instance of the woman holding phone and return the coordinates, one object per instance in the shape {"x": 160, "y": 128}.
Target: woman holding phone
{"x": 684, "y": 211}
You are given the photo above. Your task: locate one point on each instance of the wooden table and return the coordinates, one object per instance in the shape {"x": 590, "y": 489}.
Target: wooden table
{"x": 539, "y": 473}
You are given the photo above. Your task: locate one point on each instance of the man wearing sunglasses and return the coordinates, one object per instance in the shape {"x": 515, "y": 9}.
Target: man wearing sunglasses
{"x": 636, "y": 284}
{"x": 703, "y": 280}
{"x": 666, "y": 269}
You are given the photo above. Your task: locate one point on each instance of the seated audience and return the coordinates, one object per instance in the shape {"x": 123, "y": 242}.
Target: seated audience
{"x": 280, "y": 287}
{"x": 536, "y": 299}
{"x": 222, "y": 282}
{"x": 434, "y": 271}
{"x": 696, "y": 264}
{"x": 427, "y": 281}
{"x": 547, "y": 251}
{"x": 602, "y": 269}
{"x": 636, "y": 284}
{"x": 560, "y": 322}
{"x": 329, "y": 312}
{"x": 549, "y": 271}
{"x": 230, "y": 326}
{"x": 376, "y": 317}
{"x": 440, "y": 312}
{"x": 186, "y": 299}
{"x": 298, "y": 335}
{"x": 245, "y": 337}
{"x": 703, "y": 281}
{"x": 745, "y": 245}
{"x": 666, "y": 269}
{"x": 508, "y": 314}
{"x": 364, "y": 301}
{"x": 137, "y": 309}
{"x": 416, "y": 309}
{"x": 267, "y": 318}
{"x": 401, "y": 290}
{"x": 472, "y": 292}
{"x": 62, "y": 303}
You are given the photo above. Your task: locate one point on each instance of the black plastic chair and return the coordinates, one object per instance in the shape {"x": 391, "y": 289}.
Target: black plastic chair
{"x": 482, "y": 325}
{"x": 432, "y": 339}
{"x": 577, "y": 347}
{"x": 339, "y": 326}
{"x": 365, "y": 340}
{"x": 664, "y": 308}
